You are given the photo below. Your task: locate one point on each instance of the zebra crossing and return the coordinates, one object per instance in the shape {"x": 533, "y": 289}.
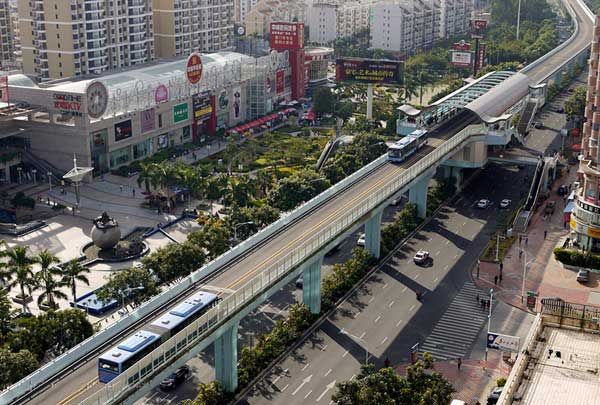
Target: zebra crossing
{"x": 458, "y": 328}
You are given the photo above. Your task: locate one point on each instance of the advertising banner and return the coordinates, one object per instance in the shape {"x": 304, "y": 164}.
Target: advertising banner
{"x": 67, "y": 103}
{"x": 194, "y": 68}
{"x": 461, "y": 59}
{"x": 287, "y": 35}
{"x": 480, "y": 56}
{"x": 223, "y": 100}
{"x": 180, "y": 112}
{"x": 123, "y": 130}
{"x": 4, "y": 89}
{"x": 461, "y": 46}
{"x": 236, "y": 104}
{"x": 161, "y": 94}
{"x": 506, "y": 343}
{"x": 148, "y": 120}
{"x": 478, "y": 28}
{"x": 280, "y": 81}
{"x": 376, "y": 71}
{"x": 201, "y": 106}
{"x": 162, "y": 141}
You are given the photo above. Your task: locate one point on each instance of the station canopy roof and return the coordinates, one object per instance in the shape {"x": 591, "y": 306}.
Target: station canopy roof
{"x": 157, "y": 72}
{"x": 489, "y": 96}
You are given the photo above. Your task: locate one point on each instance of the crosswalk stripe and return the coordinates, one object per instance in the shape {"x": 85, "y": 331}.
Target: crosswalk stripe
{"x": 459, "y": 326}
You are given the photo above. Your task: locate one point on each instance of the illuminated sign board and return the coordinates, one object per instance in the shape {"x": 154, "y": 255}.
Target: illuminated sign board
{"x": 194, "y": 69}
{"x": 68, "y": 102}
{"x": 376, "y": 71}
{"x": 202, "y": 106}
{"x": 286, "y": 35}
{"x": 461, "y": 59}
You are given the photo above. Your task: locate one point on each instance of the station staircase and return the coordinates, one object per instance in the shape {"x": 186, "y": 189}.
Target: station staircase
{"x": 526, "y": 118}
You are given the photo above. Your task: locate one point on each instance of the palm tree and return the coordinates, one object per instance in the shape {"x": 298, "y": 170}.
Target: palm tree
{"x": 147, "y": 176}
{"x": 47, "y": 279}
{"x": 20, "y": 268}
{"x": 264, "y": 181}
{"x": 74, "y": 271}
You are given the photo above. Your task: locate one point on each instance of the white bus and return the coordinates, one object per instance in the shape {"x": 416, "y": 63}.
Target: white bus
{"x": 399, "y": 151}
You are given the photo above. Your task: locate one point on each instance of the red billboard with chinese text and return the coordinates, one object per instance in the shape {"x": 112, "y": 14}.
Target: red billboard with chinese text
{"x": 286, "y": 35}
{"x": 280, "y": 81}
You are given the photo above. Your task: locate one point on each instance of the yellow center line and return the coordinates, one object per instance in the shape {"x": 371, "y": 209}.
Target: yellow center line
{"x": 79, "y": 391}
{"x": 318, "y": 225}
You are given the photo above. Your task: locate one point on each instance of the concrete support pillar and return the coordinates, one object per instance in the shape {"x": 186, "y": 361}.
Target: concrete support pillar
{"x": 311, "y": 288}
{"x": 418, "y": 195}
{"x": 226, "y": 359}
{"x": 369, "y": 102}
{"x": 373, "y": 234}
{"x": 457, "y": 176}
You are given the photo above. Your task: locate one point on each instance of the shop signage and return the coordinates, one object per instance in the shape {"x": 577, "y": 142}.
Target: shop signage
{"x": 123, "y": 130}
{"x": 376, "y": 71}
{"x": 461, "y": 59}
{"x": 202, "y": 106}
{"x": 161, "y": 94}
{"x": 478, "y": 28}
{"x": 506, "y": 343}
{"x": 194, "y": 68}
{"x": 148, "y": 120}
{"x": 287, "y": 35}
{"x": 180, "y": 113}
{"x": 67, "y": 102}
{"x": 480, "y": 61}
{"x": 531, "y": 299}
{"x": 162, "y": 141}
{"x": 280, "y": 81}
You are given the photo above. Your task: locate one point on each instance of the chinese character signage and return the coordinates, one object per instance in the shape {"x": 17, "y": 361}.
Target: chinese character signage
{"x": 505, "y": 343}
{"x": 67, "y": 103}
{"x": 280, "y": 81}
{"x": 478, "y": 28}
{"x": 286, "y": 35}
{"x": 461, "y": 59}
{"x": 194, "y": 68}
{"x": 202, "y": 106}
{"x": 123, "y": 130}
{"x": 376, "y": 71}
{"x": 161, "y": 94}
{"x": 147, "y": 120}
{"x": 180, "y": 113}
{"x": 480, "y": 58}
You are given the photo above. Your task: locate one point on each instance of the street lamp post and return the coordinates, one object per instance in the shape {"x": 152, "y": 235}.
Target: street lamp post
{"x": 518, "y": 19}
{"x": 360, "y": 341}
{"x": 489, "y": 321}
{"x": 49, "y": 180}
{"x": 34, "y": 174}
{"x": 498, "y": 237}
{"x": 525, "y": 264}
{"x": 235, "y": 228}
{"x": 19, "y": 170}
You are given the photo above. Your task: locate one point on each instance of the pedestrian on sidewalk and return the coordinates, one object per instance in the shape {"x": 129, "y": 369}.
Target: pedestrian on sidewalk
{"x": 500, "y": 278}
{"x": 477, "y": 298}
{"x": 520, "y": 254}
{"x": 482, "y": 303}
{"x": 459, "y": 363}
{"x": 526, "y": 240}
{"x": 495, "y": 280}
{"x": 501, "y": 267}
{"x": 133, "y": 192}
{"x": 545, "y": 234}
{"x": 520, "y": 239}
{"x": 121, "y": 189}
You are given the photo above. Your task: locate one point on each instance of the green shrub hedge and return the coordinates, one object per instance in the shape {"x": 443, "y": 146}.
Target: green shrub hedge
{"x": 575, "y": 258}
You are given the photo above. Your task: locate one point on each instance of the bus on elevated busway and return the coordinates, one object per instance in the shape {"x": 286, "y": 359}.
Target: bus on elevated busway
{"x": 405, "y": 147}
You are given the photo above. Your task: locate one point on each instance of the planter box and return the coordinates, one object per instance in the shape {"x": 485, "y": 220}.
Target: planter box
{"x": 577, "y": 268}
{"x": 23, "y": 300}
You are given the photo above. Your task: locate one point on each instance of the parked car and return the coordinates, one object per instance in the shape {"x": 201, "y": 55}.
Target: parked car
{"x": 175, "y": 378}
{"x": 396, "y": 200}
{"x": 421, "y": 257}
{"x": 550, "y": 205}
{"x": 361, "y": 240}
{"x": 562, "y": 190}
{"x": 505, "y": 203}
{"x": 300, "y": 282}
{"x": 537, "y": 124}
{"x": 483, "y": 203}
{"x": 494, "y": 396}
{"x": 583, "y": 276}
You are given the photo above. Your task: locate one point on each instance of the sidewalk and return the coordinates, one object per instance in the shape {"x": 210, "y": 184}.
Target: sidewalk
{"x": 544, "y": 275}
{"x": 475, "y": 379}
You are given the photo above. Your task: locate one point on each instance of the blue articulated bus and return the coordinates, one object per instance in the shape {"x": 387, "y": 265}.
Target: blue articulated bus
{"x": 118, "y": 359}
{"x": 405, "y": 147}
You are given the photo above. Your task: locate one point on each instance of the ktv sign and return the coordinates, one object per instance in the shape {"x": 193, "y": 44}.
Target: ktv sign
{"x": 506, "y": 343}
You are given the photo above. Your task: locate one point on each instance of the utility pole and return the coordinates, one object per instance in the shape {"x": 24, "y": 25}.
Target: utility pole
{"x": 518, "y": 19}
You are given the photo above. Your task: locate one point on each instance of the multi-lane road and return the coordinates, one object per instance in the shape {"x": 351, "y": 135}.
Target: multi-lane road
{"x": 82, "y": 382}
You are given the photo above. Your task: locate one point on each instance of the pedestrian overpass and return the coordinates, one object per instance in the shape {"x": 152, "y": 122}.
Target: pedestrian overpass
{"x": 252, "y": 271}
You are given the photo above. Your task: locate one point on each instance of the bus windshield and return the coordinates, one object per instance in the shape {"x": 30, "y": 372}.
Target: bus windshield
{"x": 108, "y": 365}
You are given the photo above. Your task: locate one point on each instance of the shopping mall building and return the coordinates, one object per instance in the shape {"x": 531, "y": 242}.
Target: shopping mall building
{"x": 110, "y": 120}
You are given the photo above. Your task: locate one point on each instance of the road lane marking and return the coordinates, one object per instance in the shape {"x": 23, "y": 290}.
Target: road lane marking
{"x": 404, "y": 289}
{"x": 275, "y": 380}
{"x": 411, "y": 308}
{"x": 307, "y": 394}
{"x": 399, "y": 322}
{"x": 328, "y": 372}
{"x": 79, "y": 391}
{"x": 323, "y": 348}
{"x": 327, "y": 388}
{"x": 284, "y": 388}
{"x": 447, "y": 242}
{"x": 345, "y": 353}
{"x": 363, "y": 335}
{"x": 390, "y": 304}
{"x": 305, "y": 366}
{"x": 384, "y": 340}
{"x": 385, "y": 285}
{"x": 437, "y": 253}
{"x": 435, "y": 280}
{"x": 356, "y": 314}
{"x": 371, "y": 300}
{"x": 353, "y": 377}
{"x": 302, "y": 384}
{"x": 377, "y": 319}
{"x": 417, "y": 276}
{"x": 446, "y": 267}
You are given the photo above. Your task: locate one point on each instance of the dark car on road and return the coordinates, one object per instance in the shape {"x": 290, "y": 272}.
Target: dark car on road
{"x": 175, "y": 378}
{"x": 494, "y": 396}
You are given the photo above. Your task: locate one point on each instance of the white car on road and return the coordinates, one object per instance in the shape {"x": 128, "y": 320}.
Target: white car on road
{"x": 421, "y": 257}
{"x": 505, "y": 203}
{"x": 361, "y": 240}
{"x": 483, "y": 203}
